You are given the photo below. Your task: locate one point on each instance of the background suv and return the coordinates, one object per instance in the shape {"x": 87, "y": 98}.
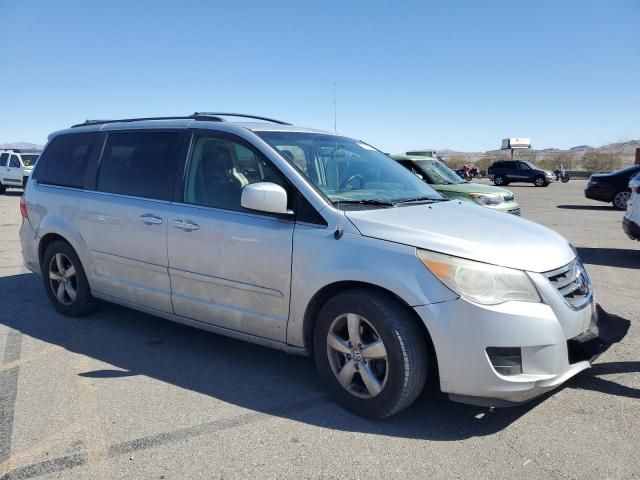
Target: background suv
{"x": 510, "y": 171}
{"x": 15, "y": 168}
{"x": 612, "y": 187}
{"x": 446, "y": 181}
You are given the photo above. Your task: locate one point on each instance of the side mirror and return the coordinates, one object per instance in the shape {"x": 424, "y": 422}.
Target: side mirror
{"x": 265, "y": 197}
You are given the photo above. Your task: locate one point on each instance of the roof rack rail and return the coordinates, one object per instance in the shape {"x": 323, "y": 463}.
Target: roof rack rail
{"x": 199, "y": 116}
{"x": 100, "y": 122}
{"x": 217, "y": 115}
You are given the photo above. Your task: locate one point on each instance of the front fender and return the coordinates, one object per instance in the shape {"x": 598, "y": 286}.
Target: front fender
{"x": 320, "y": 260}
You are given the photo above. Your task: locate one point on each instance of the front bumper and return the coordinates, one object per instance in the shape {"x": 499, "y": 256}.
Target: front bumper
{"x": 594, "y": 193}
{"x": 507, "y": 207}
{"x": 548, "y": 335}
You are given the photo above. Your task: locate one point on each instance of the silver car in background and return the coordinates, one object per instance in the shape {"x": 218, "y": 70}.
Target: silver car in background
{"x": 312, "y": 243}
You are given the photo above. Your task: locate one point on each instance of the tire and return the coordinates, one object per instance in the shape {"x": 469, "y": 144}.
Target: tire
{"x": 566, "y": 178}
{"x": 2, "y": 189}
{"x": 395, "y": 380}
{"x": 499, "y": 181}
{"x": 540, "y": 182}
{"x": 75, "y": 297}
{"x": 620, "y": 200}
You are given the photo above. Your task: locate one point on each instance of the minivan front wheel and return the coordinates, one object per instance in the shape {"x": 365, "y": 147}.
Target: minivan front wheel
{"x": 65, "y": 281}
{"x": 370, "y": 352}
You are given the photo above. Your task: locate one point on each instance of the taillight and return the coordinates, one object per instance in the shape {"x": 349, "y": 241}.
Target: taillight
{"x": 23, "y": 208}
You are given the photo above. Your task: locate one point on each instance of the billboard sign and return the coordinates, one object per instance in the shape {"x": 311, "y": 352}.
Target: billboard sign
{"x": 516, "y": 142}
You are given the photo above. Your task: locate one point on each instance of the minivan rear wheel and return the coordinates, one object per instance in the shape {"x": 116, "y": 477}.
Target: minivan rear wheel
{"x": 370, "y": 352}
{"x": 65, "y": 280}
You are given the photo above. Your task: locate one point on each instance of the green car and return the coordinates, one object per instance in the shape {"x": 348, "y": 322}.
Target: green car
{"x": 448, "y": 183}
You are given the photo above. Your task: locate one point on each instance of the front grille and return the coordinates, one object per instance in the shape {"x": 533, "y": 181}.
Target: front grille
{"x": 508, "y": 198}
{"x": 514, "y": 211}
{"x": 572, "y": 283}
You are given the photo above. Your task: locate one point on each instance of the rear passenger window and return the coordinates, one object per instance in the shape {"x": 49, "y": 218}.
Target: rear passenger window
{"x": 64, "y": 162}
{"x": 3, "y": 159}
{"x": 140, "y": 164}
{"x": 14, "y": 162}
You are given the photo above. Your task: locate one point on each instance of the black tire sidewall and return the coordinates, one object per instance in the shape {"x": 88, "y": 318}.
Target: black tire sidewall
{"x": 359, "y": 303}
{"x": 84, "y": 301}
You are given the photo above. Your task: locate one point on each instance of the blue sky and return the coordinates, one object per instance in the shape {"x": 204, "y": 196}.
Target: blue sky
{"x": 441, "y": 74}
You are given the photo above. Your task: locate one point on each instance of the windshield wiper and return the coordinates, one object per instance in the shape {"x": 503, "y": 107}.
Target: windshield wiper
{"x": 421, "y": 200}
{"x": 365, "y": 201}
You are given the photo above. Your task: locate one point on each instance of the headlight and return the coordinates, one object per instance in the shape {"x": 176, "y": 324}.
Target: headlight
{"x": 487, "y": 198}
{"x": 480, "y": 282}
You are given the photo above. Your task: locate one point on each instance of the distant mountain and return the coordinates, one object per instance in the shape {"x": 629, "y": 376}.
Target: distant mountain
{"x": 625, "y": 150}
{"x": 21, "y": 146}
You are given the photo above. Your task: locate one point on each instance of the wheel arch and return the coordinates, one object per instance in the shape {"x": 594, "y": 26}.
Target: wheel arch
{"x": 47, "y": 240}
{"x": 328, "y": 291}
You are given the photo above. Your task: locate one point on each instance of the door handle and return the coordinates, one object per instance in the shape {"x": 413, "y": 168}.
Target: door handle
{"x": 150, "y": 219}
{"x": 186, "y": 226}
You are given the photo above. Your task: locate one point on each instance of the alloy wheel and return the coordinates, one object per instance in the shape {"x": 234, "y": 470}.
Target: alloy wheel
{"x": 62, "y": 279}
{"x": 620, "y": 201}
{"x": 357, "y": 355}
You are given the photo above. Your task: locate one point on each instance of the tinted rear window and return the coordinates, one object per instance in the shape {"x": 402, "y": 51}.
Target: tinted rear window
{"x": 140, "y": 164}
{"x": 64, "y": 162}
{"x": 3, "y": 159}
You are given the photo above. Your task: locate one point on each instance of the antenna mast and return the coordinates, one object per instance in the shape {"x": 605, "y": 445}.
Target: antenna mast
{"x": 335, "y": 110}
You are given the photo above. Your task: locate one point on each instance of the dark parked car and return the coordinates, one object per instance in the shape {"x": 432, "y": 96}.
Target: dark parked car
{"x": 612, "y": 187}
{"x": 509, "y": 171}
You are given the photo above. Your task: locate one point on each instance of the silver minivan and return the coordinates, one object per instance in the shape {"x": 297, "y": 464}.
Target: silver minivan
{"x": 312, "y": 243}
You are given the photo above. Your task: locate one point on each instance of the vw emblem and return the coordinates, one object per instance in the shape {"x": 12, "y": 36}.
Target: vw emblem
{"x": 357, "y": 356}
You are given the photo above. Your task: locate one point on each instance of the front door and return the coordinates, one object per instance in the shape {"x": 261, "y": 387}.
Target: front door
{"x": 228, "y": 266}
{"x": 126, "y": 217}
{"x": 13, "y": 172}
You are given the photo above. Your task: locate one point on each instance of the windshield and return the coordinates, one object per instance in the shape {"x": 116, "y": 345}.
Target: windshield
{"x": 351, "y": 174}
{"x": 438, "y": 172}
{"x": 29, "y": 160}
{"x": 531, "y": 165}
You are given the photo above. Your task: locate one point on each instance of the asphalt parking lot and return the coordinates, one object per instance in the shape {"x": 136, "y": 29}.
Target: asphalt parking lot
{"x": 121, "y": 394}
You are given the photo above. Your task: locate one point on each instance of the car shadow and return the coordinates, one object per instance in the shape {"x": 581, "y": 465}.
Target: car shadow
{"x": 610, "y": 257}
{"x": 587, "y": 207}
{"x": 253, "y": 377}
{"x": 13, "y": 193}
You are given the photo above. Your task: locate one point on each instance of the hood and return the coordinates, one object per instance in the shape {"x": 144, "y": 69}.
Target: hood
{"x": 467, "y": 231}
{"x": 472, "y": 188}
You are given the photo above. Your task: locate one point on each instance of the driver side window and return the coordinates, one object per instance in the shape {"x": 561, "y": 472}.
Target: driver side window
{"x": 220, "y": 167}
